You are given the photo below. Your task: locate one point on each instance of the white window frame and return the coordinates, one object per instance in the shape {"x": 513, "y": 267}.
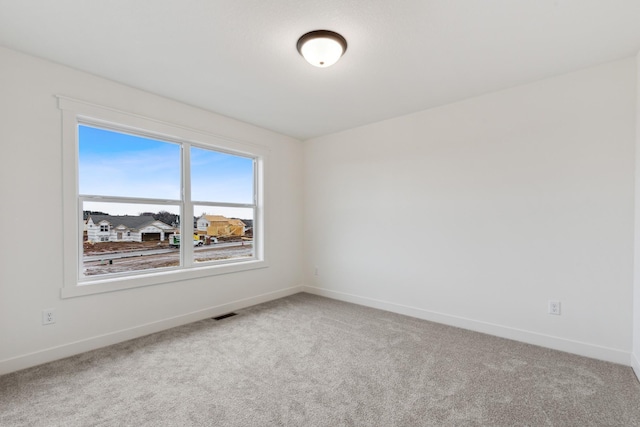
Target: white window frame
{"x": 76, "y": 112}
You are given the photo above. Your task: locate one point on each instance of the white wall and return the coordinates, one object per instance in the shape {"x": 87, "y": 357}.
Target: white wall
{"x": 478, "y": 213}
{"x": 473, "y": 214}
{"x": 635, "y": 356}
{"x": 31, "y": 198}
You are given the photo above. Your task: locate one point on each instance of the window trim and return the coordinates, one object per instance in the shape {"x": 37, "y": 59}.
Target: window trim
{"x": 75, "y": 112}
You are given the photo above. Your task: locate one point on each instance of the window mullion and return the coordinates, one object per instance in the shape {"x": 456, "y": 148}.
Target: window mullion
{"x": 136, "y": 200}
{"x": 186, "y": 228}
{"x": 224, "y": 205}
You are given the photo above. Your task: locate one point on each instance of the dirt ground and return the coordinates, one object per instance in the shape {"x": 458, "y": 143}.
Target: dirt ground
{"x": 147, "y": 262}
{"x": 97, "y": 248}
{"x": 110, "y": 247}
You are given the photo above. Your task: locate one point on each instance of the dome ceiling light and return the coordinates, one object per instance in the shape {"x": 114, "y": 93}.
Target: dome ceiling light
{"x": 322, "y": 48}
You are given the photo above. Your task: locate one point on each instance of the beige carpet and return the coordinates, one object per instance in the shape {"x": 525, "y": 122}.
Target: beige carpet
{"x": 311, "y": 361}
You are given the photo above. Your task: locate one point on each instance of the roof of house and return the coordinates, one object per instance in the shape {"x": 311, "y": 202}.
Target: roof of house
{"x": 215, "y": 218}
{"x": 129, "y": 221}
{"x": 221, "y": 218}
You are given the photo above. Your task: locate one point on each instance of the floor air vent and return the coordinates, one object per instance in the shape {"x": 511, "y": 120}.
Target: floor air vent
{"x": 224, "y": 316}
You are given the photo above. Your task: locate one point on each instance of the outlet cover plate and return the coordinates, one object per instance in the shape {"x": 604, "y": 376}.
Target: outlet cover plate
{"x": 554, "y": 307}
{"x": 48, "y": 316}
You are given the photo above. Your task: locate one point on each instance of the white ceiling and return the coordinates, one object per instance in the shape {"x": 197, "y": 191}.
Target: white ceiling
{"x": 239, "y": 58}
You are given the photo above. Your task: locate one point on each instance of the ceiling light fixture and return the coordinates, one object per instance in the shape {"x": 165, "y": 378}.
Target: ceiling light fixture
{"x": 322, "y": 48}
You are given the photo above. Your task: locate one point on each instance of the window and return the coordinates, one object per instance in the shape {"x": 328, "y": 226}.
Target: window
{"x": 191, "y": 203}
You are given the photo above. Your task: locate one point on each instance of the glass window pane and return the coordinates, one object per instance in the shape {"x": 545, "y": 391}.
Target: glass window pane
{"x": 220, "y": 177}
{"x": 117, "y": 164}
{"x": 126, "y": 237}
{"x": 223, "y": 233}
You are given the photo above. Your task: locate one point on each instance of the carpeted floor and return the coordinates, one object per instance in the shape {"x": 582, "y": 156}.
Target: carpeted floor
{"x": 311, "y": 361}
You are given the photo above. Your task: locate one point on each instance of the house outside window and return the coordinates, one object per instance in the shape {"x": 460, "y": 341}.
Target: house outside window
{"x": 144, "y": 178}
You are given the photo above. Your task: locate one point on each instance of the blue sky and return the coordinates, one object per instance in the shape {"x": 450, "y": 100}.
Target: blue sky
{"x": 121, "y": 165}
{"x": 218, "y": 176}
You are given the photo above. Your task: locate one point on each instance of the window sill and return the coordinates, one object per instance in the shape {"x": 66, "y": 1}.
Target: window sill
{"x": 114, "y": 284}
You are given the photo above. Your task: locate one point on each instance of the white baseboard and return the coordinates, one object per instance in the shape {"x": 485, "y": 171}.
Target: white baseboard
{"x": 77, "y": 347}
{"x": 635, "y": 364}
{"x": 548, "y": 341}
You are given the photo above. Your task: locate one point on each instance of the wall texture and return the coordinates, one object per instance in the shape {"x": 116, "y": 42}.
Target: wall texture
{"x": 478, "y": 213}
{"x": 473, "y": 214}
{"x": 31, "y": 214}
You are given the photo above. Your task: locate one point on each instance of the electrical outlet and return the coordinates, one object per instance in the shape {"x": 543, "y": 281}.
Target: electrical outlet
{"x": 48, "y": 316}
{"x": 554, "y": 307}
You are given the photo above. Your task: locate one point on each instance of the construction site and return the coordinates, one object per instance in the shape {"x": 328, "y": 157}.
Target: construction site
{"x": 119, "y": 257}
